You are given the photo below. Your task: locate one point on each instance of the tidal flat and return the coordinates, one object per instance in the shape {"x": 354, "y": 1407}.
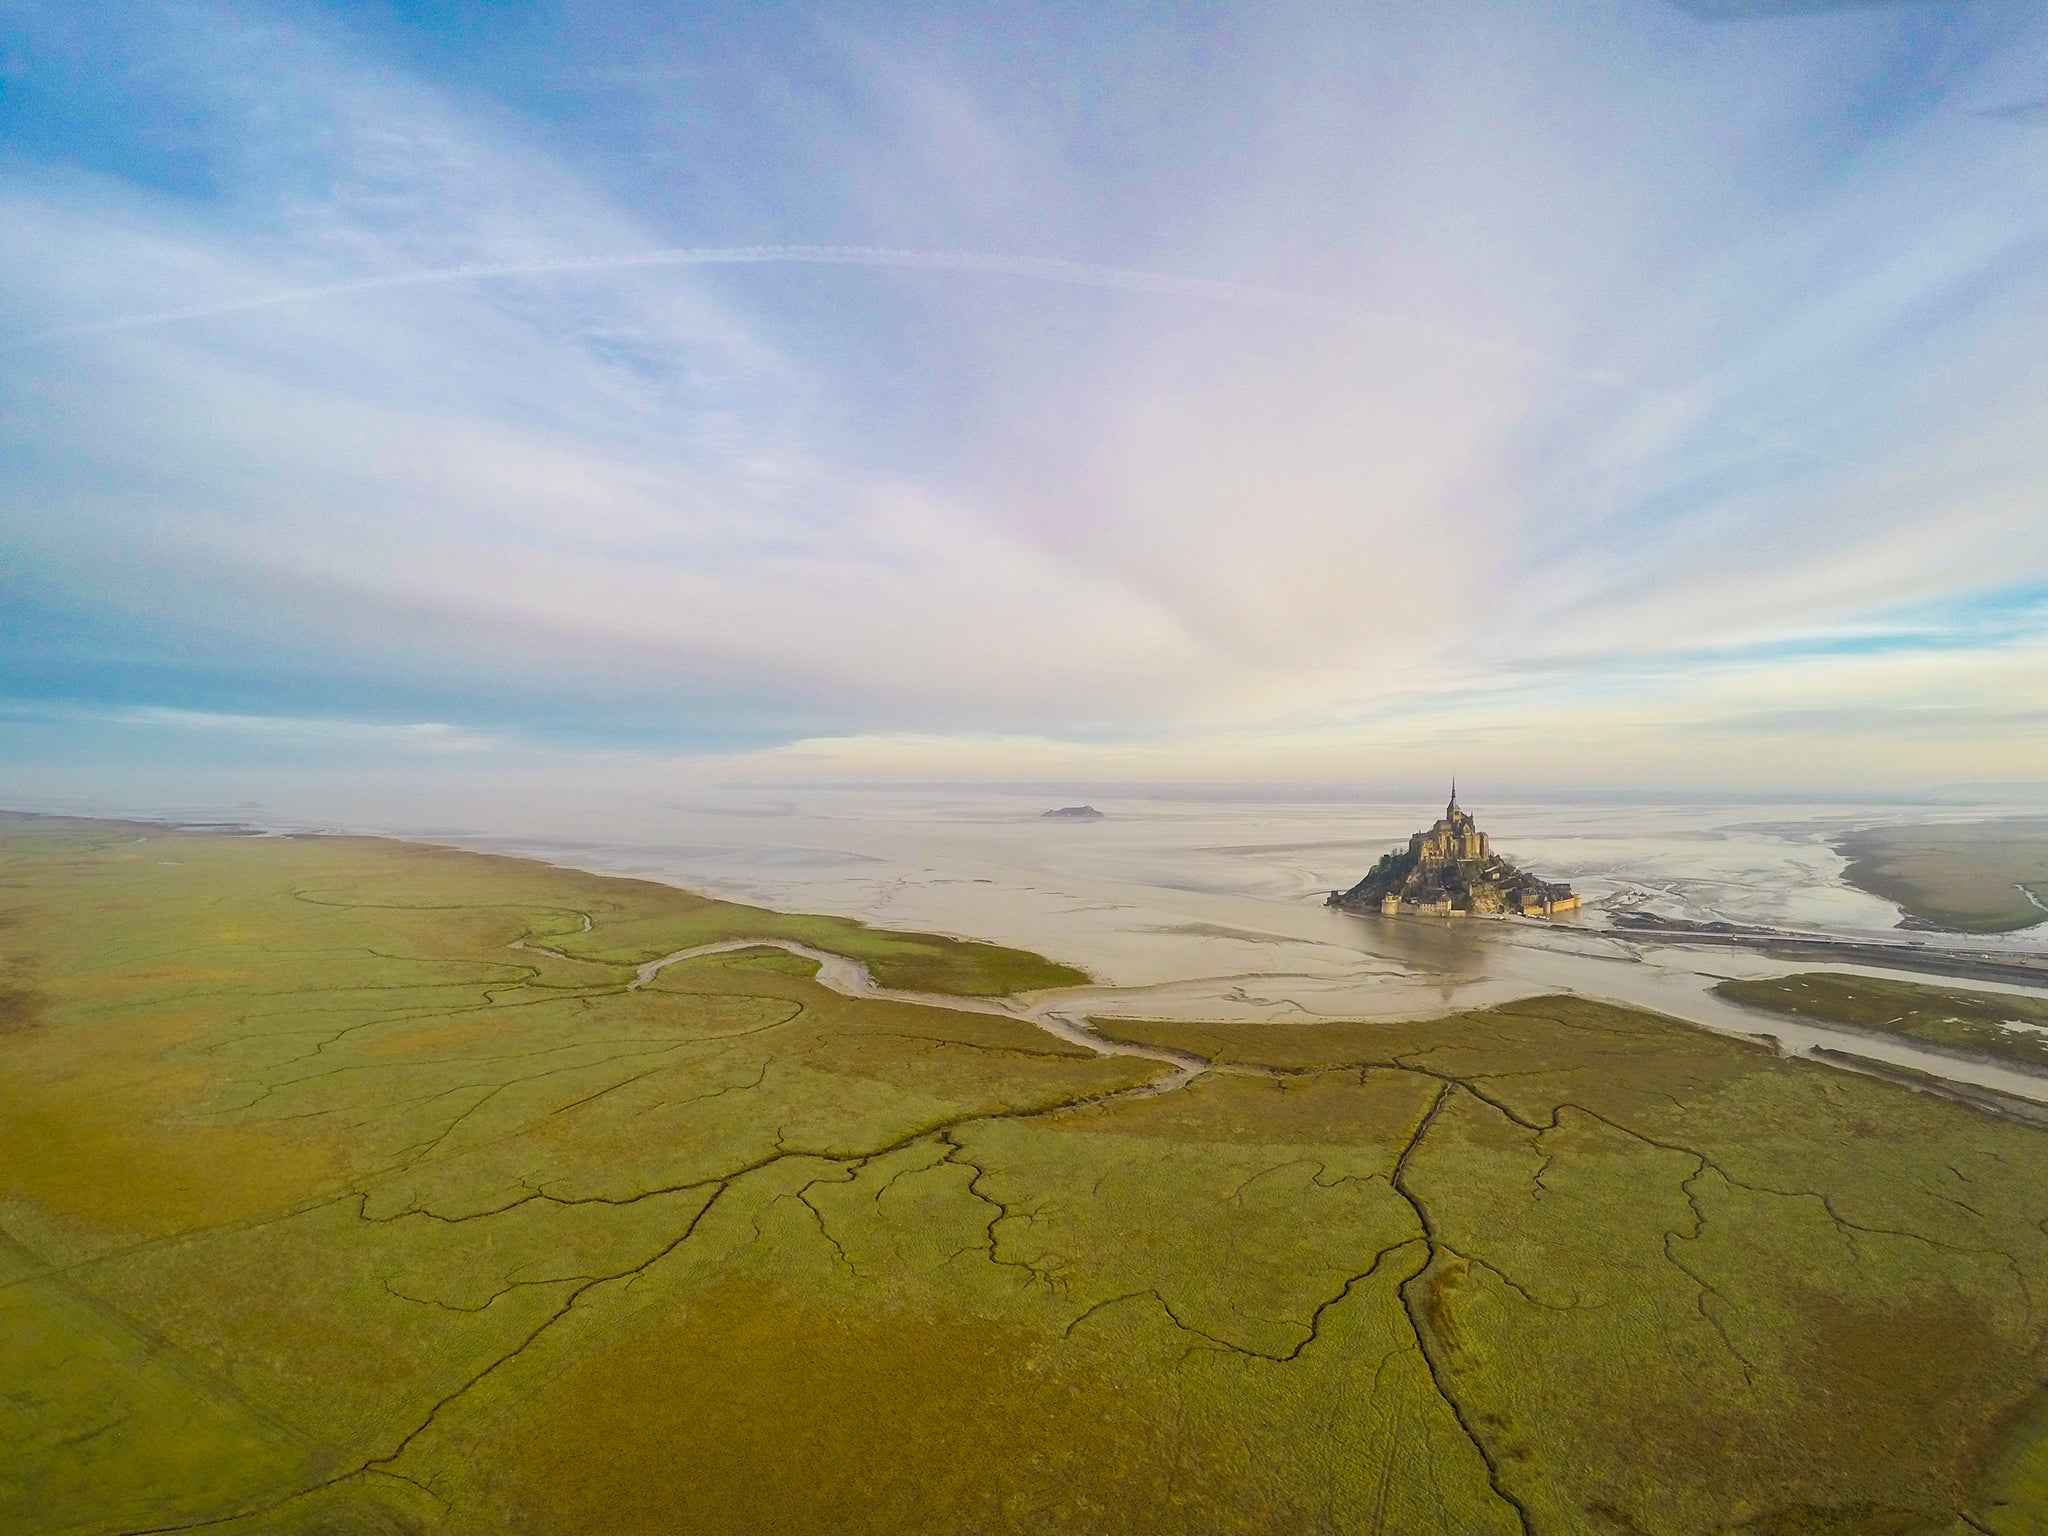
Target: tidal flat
{"x": 357, "y": 1186}
{"x": 1965, "y": 877}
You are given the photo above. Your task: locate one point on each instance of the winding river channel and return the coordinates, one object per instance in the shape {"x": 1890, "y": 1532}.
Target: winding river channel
{"x": 1212, "y": 910}
{"x": 1066, "y": 1014}
{"x": 1051, "y": 1012}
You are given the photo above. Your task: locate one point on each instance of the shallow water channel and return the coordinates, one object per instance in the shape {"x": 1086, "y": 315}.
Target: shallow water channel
{"x": 1213, "y": 910}
{"x": 1053, "y": 1012}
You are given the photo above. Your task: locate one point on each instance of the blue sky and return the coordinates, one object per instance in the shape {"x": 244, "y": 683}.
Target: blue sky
{"x": 1204, "y": 391}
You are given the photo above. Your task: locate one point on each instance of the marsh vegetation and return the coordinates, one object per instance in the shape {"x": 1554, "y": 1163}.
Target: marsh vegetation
{"x": 1998, "y": 1026}
{"x": 355, "y": 1186}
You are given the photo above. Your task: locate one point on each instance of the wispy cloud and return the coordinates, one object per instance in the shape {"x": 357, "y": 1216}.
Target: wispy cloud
{"x": 1358, "y": 382}
{"x": 2033, "y": 114}
{"x": 428, "y": 738}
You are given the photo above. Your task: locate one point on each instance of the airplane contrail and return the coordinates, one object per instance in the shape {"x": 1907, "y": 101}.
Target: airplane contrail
{"x": 1043, "y": 268}
{"x": 1052, "y": 269}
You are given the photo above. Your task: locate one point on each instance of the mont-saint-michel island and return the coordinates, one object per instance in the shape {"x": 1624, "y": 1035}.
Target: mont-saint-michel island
{"x": 1451, "y": 870}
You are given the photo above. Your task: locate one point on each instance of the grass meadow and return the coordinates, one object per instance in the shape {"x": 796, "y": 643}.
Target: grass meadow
{"x": 346, "y": 1186}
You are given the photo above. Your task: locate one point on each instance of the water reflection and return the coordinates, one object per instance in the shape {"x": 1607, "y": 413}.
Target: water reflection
{"x": 1456, "y": 951}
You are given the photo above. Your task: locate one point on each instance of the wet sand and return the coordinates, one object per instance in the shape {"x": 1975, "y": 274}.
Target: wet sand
{"x": 1185, "y": 909}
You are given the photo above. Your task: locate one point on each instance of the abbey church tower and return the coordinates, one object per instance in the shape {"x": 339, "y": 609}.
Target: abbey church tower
{"x": 1451, "y": 870}
{"x": 1455, "y": 839}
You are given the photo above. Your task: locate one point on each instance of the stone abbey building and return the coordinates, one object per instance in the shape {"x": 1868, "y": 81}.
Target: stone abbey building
{"x": 1452, "y": 871}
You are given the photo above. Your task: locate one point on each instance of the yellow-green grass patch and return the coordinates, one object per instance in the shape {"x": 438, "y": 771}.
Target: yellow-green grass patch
{"x": 1999, "y": 1026}
{"x": 335, "y": 1201}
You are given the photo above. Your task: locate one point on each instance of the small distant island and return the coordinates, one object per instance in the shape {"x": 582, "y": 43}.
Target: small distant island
{"x": 1451, "y": 870}
{"x": 1075, "y": 813}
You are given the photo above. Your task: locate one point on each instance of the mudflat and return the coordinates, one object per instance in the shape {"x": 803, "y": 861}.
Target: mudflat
{"x": 357, "y": 1186}
{"x": 1968, "y": 877}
